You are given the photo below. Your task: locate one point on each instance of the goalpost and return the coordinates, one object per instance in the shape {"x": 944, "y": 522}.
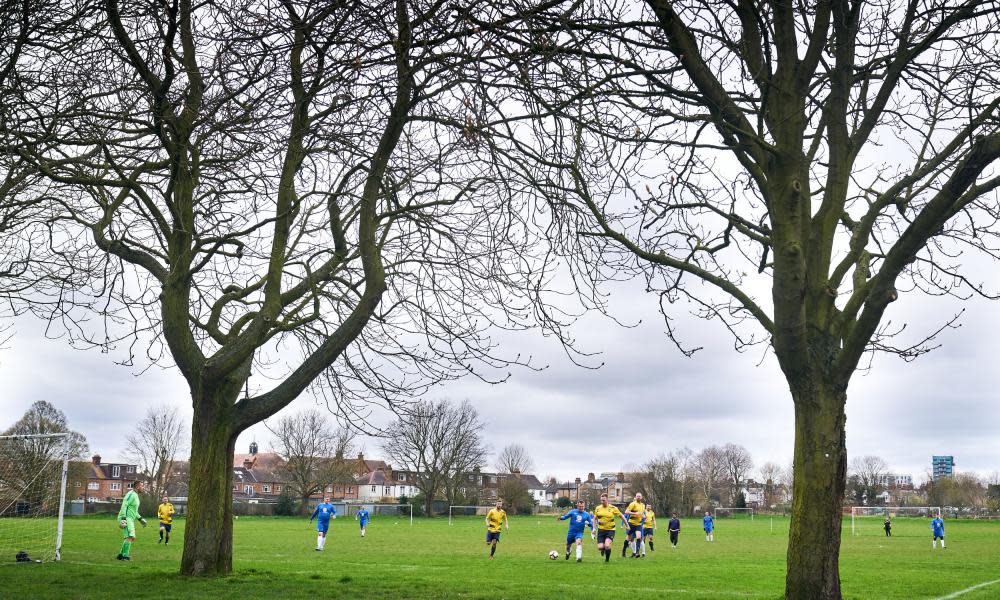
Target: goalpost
{"x": 463, "y": 510}
{"x": 33, "y": 471}
{"x": 382, "y": 510}
{"x": 859, "y": 514}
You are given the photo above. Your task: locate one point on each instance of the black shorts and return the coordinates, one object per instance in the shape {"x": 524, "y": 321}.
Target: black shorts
{"x": 492, "y": 536}
{"x": 938, "y": 537}
{"x": 165, "y": 526}
{"x": 605, "y": 535}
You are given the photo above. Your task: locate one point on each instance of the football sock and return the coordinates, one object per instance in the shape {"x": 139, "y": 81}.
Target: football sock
{"x": 933, "y": 543}
{"x": 651, "y": 548}
{"x": 607, "y": 555}
{"x": 942, "y": 543}
{"x": 319, "y": 541}
{"x": 126, "y": 548}
{"x": 579, "y": 552}
{"x": 493, "y": 548}
{"x": 161, "y": 535}
{"x": 624, "y": 547}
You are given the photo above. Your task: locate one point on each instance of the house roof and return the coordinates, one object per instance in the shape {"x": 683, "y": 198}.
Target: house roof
{"x": 376, "y": 477}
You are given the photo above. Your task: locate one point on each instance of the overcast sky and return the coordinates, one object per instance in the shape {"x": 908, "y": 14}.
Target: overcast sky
{"x": 646, "y": 399}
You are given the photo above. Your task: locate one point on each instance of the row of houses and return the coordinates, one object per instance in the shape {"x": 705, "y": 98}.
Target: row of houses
{"x": 258, "y": 477}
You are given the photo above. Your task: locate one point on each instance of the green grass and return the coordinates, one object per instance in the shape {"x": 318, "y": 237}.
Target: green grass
{"x": 274, "y": 558}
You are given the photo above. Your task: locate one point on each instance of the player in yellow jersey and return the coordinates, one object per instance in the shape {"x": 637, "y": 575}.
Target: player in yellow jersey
{"x": 635, "y": 512}
{"x": 648, "y": 529}
{"x": 607, "y": 516}
{"x": 166, "y": 513}
{"x": 494, "y": 519}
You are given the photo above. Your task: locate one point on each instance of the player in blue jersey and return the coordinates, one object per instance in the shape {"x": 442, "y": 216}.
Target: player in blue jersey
{"x": 937, "y": 528}
{"x": 709, "y": 524}
{"x": 363, "y": 517}
{"x": 578, "y": 519}
{"x": 323, "y": 513}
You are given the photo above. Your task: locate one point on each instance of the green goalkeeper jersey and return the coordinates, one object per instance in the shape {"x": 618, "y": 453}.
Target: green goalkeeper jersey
{"x": 130, "y": 506}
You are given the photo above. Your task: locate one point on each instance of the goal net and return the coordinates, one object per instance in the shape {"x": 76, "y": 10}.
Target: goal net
{"x": 461, "y": 511}
{"x": 870, "y": 520}
{"x": 33, "y": 471}
{"x": 397, "y": 512}
{"x": 733, "y": 513}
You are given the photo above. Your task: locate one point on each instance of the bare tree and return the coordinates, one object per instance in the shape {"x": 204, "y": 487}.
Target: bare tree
{"x": 868, "y": 471}
{"x": 514, "y": 458}
{"x": 155, "y": 443}
{"x": 737, "y": 462}
{"x": 771, "y": 477}
{"x": 302, "y": 191}
{"x": 709, "y": 469}
{"x": 313, "y": 453}
{"x": 660, "y": 480}
{"x": 441, "y": 443}
{"x": 789, "y": 170}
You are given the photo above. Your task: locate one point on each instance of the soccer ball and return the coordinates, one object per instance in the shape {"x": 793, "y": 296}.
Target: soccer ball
{"x": 122, "y": 524}
{"x": 553, "y": 554}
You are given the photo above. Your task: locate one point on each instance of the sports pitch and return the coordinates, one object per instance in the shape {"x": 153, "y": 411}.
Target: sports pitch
{"x": 275, "y": 558}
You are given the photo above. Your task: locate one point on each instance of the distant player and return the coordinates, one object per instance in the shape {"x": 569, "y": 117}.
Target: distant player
{"x": 165, "y": 511}
{"x": 708, "y": 523}
{"x": 674, "y": 528}
{"x": 648, "y": 530}
{"x": 578, "y": 519}
{"x": 607, "y": 517}
{"x": 635, "y": 512}
{"x": 127, "y": 516}
{"x": 887, "y": 525}
{"x": 363, "y": 517}
{"x": 323, "y": 513}
{"x": 937, "y": 528}
{"x": 494, "y": 519}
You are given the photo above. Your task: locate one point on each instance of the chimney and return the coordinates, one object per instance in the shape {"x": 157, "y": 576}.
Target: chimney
{"x": 248, "y": 463}
{"x": 362, "y": 467}
{"x": 620, "y": 476}
{"x": 97, "y": 459}
{"x": 590, "y": 478}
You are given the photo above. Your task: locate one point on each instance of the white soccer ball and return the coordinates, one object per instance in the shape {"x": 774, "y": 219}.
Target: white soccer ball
{"x": 122, "y": 524}
{"x": 553, "y": 554}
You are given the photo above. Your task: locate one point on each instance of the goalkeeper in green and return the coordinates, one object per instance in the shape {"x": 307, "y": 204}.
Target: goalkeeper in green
{"x": 127, "y": 517}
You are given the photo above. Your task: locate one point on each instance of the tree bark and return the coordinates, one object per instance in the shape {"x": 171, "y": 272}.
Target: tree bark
{"x": 208, "y": 533}
{"x": 820, "y": 467}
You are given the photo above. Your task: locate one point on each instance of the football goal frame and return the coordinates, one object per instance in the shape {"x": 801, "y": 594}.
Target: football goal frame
{"x": 880, "y": 511}
{"x": 353, "y": 507}
{"x": 7, "y": 503}
{"x": 451, "y": 514}
{"x": 715, "y": 513}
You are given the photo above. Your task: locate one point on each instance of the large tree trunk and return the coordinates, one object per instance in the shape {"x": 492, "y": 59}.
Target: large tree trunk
{"x": 820, "y": 466}
{"x": 208, "y": 533}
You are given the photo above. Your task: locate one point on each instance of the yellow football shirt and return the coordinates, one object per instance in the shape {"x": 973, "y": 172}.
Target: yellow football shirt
{"x": 635, "y": 507}
{"x": 494, "y": 520}
{"x": 607, "y": 517}
{"x": 166, "y": 513}
{"x": 650, "y": 519}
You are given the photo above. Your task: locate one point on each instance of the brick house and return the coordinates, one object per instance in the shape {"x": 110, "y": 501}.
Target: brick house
{"x": 104, "y": 482}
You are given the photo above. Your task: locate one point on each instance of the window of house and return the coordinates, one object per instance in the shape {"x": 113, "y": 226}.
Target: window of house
{"x": 236, "y": 487}
{"x": 116, "y": 486}
{"x": 373, "y": 488}
{"x": 266, "y": 488}
{"x": 277, "y": 488}
{"x": 248, "y": 489}
{"x": 77, "y": 484}
{"x": 116, "y": 471}
{"x": 93, "y": 485}
{"x": 472, "y": 477}
{"x": 130, "y": 484}
{"x": 329, "y": 488}
{"x": 131, "y": 469}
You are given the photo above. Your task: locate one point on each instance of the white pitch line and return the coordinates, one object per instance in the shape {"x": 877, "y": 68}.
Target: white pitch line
{"x": 967, "y": 590}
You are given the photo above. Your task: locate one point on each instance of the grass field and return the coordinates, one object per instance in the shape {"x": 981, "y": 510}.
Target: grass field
{"x": 274, "y": 558}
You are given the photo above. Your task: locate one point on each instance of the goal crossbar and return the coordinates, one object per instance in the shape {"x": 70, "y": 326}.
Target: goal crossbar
{"x": 475, "y": 512}
{"x": 880, "y": 511}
